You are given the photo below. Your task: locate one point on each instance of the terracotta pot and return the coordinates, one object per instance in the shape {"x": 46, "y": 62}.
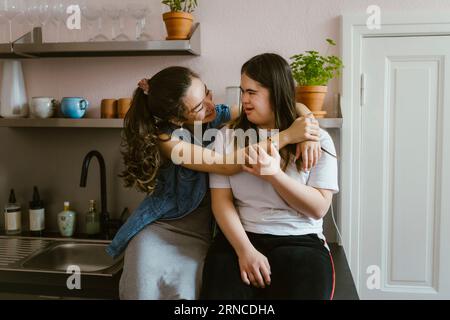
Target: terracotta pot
{"x": 178, "y": 25}
{"x": 313, "y": 97}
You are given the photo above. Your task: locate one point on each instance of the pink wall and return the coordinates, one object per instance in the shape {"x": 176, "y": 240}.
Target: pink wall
{"x": 232, "y": 32}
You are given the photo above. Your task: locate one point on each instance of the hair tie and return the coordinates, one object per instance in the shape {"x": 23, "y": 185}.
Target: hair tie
{"x": 143, "y": 85}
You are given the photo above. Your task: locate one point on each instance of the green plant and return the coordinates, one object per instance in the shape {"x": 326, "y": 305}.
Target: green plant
{"x": 181, "y": 5}
{"x": 313, "y": 69}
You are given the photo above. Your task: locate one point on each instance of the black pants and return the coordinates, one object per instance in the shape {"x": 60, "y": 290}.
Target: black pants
{"x": 301, "y": 268}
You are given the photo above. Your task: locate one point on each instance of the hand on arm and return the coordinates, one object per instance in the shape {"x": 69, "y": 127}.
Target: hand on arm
{"x": 309, "y": 151}
{"x": 254, "y": 266}
{"x": 310, "y": 201}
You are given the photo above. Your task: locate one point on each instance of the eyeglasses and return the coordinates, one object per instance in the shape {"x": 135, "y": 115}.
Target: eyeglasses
{"x": 199, "y": 107}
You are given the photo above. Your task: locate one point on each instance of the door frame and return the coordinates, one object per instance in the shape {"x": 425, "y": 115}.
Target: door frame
{"x": 353, "y": 31}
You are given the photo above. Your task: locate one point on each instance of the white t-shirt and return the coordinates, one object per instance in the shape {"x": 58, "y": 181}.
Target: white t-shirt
{"x": 259, "y": 206}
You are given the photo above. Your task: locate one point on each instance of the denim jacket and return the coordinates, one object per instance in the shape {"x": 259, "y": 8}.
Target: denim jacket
{"x": 179, "y": 191}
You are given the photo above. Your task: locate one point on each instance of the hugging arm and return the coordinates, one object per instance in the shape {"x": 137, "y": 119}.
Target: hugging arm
{"x": 309, "y": 150}
{"x": 197, "y": 158}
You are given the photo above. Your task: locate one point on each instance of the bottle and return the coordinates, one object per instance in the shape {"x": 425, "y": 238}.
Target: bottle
{"x": 92, "y": 219}
{"x": 66, "y": 221}
{"x": 13, "y": 215}
{"x": 37, "y": 214}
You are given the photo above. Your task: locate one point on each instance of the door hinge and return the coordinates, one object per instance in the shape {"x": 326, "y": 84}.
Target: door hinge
{"x": 363, "y": 90}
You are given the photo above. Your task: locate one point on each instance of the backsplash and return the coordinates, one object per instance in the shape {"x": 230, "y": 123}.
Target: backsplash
{"x": 51, "y": 159}
{"x": 232, "y": 32}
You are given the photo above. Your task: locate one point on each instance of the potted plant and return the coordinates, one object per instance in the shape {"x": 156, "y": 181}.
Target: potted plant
{"x": 179, "y": 19}
{"x": 312, "y": 72}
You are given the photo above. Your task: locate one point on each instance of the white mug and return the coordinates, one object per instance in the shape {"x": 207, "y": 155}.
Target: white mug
{"x": 42, "y": 107}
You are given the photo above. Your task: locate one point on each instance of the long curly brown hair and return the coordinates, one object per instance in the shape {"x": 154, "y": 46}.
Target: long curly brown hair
{"x": 148, "y": 117}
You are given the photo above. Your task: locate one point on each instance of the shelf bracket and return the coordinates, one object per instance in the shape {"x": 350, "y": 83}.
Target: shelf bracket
{"x": 32, "y": 37}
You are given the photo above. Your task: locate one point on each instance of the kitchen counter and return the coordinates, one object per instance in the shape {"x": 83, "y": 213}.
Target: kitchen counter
{"x": 16, "y": 284}
{"x": 54, "y": 285}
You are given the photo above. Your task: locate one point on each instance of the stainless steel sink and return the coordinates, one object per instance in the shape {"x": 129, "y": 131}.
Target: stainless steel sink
{"x": 56, "y": 255}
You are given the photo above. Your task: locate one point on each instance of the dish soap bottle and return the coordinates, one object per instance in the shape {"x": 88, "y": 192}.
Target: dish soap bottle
{"x": 37, "y": 214}
{"x": 13, "y": 215}
{"x": 92, "y": 220}
{"x": 66, "y": 221}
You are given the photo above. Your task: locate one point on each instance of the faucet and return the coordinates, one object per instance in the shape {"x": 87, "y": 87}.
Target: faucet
{"x": 104, "y": 215}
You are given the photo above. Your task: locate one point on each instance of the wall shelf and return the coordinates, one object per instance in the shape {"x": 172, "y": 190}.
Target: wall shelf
{"x": 330, "y": 123}
{"x": 326, "y": 123}
{"x": 61, "y": 123}
{"x": 31, "y": 46}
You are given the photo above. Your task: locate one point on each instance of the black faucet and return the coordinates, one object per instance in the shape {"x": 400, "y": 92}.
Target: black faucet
{"x": 104, "y": 215}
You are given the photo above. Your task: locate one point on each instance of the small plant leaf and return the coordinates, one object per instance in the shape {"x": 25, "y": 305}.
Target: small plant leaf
{"x": 331, "y": 42}
{"x": 311, "y": 68}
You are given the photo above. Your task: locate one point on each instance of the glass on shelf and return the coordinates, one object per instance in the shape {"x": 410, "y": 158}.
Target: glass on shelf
{"x": 44, "y": 15}
{"x": 139, "y": 10}
{"x": 233, "y": 96}
{"x": 4, "y": 36}
{"x": 58, "y": 16}
{"x": 21, "y": 26}
{"x": 31, "y": 12}
{"x": 116, "y": 14}
{"x": 92, "y": 12}
{"x": 9, "y": 9}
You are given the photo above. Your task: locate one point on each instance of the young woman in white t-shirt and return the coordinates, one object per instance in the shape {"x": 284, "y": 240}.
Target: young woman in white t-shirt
{"x": 271, "y": 244}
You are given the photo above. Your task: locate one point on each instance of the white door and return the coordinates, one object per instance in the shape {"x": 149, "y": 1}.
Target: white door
{"x": 405, "y": 168}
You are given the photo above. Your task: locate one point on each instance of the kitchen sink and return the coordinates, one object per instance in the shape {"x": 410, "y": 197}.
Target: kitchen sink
{"x": 89, "y": 257}
{"x": 56, "y": 255}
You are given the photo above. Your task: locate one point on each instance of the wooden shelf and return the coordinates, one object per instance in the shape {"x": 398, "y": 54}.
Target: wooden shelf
{"x": 61, "y": 123}
{"x": 330, "y": 123}
{"x": 326, "y": 123}
{"x": 31, "y": 46}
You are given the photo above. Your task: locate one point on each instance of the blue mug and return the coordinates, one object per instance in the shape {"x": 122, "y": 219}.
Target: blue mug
{"x": 74, "y": 107}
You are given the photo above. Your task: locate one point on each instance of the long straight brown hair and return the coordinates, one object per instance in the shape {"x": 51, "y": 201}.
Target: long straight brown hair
{"x": 273, "y": 73}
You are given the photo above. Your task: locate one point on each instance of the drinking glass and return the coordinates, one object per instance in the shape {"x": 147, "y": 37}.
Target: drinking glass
{"x": 31, "y": 12}
{"x": 58, "y": 15}
{"x": 233, "y": 96}
{"x": 44, "y": 13}
{"x": 91, "y": 13}
{"x": 116, "y": 14}
{"x": 139, "y": 10}
{"x": 10, "y": 9}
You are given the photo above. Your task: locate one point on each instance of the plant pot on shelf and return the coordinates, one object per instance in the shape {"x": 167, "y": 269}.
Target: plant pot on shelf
{"x": 313, "y": 97}
{"x": 178, "y": 25}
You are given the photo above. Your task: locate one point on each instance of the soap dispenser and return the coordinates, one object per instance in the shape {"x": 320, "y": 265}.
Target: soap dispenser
{"x": 66, "y": 221}
{"x": 92, "y": 220}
